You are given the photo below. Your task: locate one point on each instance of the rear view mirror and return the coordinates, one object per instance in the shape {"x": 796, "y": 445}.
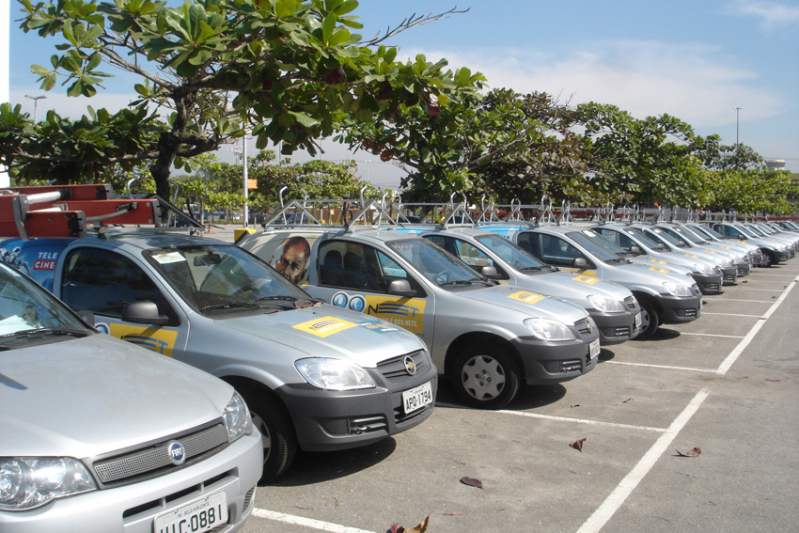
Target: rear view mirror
{"x": 490, "y": 272}
{"x": 401, "y": 287}
{"x": 144, "y": 313}
{"x": 580, "y": 262}
{"x": 635, "y": 249}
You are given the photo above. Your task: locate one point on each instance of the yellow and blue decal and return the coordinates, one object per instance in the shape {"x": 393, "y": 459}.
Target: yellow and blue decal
{"x": 659, "y": 270}
{"x": 527, "y": 297}
{"x": 407, "y": 313}
{"x": 658, "y": 261}
{"x": 325, "y": 326}
{"x": 588, "y": 280}
{"x": 158, "y": 340}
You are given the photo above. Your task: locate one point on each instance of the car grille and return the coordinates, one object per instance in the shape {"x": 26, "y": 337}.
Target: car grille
{"x": 394, "y": 368}
{"x": 584, "y": 326}
{"x": 367, "y": 424}
{"x": 153, "y": 460}
{"x": 400, "y": 417}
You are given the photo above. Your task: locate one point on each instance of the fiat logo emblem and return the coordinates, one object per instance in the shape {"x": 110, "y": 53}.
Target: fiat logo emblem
{"x": 176, "y": 452}
{"x": 410, "y": 366}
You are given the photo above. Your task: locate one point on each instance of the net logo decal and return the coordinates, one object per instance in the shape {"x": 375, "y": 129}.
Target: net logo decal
{"x": 527, "y": 297}
{"x": 325, "y": 326}
{"x": 157, "y": 340}
{"x": 408, "y": 313}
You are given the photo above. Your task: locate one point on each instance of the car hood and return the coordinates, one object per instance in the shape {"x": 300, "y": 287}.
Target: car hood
{"x": 94, "y": 395}
{"x": 525, "y": 301}
{"x": 329, "y": 331}
{"x": 571, "y": 286}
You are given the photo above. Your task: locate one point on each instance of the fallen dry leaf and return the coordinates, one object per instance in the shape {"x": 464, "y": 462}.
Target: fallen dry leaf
{"x": 578, "y": 444}
{"x": 453, "y": 513}
{"x": 695, "y": 452}
{"x": 575, "y": 405}
{"x": 772, "y": 380}
{"x": 745, "y": 281}
{"x": 472, "y": 482}
{"x": 628, "y": 400}
{"x": 421, "y": 528}
{"x": 744, "y": 377}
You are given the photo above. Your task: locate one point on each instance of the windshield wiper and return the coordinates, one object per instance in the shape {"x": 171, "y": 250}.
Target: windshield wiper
{"x": 225, "y": 306}
{"x": 283, "y": 297}
{"x": 47, "y": 331}
{"x": 527, "y": 269}
{"x": 457, "y": 282}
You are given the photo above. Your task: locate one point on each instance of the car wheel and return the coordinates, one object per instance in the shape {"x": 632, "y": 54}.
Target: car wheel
{"x": 649, "y": 319}
{"x": 277, "y": 435}
{"x": 768, "y": 259}
{"x": 485, "y": 377}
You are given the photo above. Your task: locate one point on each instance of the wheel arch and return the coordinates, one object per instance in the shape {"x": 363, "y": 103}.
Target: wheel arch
{"x": 472, "y": 338}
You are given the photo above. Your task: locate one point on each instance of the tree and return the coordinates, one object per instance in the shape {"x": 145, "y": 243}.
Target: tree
{"x": 289, "y": 70}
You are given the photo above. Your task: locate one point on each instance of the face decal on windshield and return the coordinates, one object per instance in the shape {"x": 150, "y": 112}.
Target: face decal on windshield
{"x": 527, "y": 297}
{"x": 325, "y": 326}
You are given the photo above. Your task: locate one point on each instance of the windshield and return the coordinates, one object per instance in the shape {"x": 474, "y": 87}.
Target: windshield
{"x": 510, "y": 253}
{"x": 432, "y": 262}
{"x": 745, "y": 230}
{"x": 689, "y": 234}
{"x": 597, "y": 246}
{"x": 667, "y": 237}
{"x": 709, "y": 231}
{"x": 216, "y": 279}
{"x": 30, "y": 315}
{"x": 643, "y": 238}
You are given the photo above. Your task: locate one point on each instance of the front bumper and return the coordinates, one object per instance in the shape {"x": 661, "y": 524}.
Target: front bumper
{"x": 133, "y": 508}
{"x": 615, "y": 328}
{"x": 680, "y": 309}
{"x": 336, "y": 420}
{"x": 709, "y": 283}
{"x": 548, "y": 362}
{"x": 730, "y": 274}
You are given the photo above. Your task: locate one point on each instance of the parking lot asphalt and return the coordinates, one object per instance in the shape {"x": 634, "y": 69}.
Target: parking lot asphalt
{"x": 725, "y": 383}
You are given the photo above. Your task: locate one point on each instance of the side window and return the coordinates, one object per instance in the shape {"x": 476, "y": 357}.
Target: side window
{"x": 351, "y": 266}
{"x": 612, "y": 235}
{"x": 556, "y": 251}
{"x": 104, "y": 282}
{"x": 529, "y": 242}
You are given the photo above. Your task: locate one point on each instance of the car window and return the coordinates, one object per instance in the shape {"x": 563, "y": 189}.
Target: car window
{"x": 513, "y": 254}
{"x": 104, "y": 282}
{"x": 432, "y": 262}
{"x": 557, "y": 251}
{"x": 350, "y": 265}
{"x": 596, "y": 245}
{"x": 26, "y": 307}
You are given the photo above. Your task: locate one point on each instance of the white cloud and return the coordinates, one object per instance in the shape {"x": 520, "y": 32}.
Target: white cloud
{"x": 691, "y": 81}
{"x": 771, "y": 14}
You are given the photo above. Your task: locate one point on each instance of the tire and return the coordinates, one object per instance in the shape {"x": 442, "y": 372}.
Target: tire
{"x": 768, "y": 260}
{"x": 277, "y": 434}
{"x": 485, "y": 376}
{"x": 650, "y": 321}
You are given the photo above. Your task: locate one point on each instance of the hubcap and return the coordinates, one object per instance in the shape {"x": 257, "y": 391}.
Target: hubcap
{"x": 483, "y": 377}
{"x": 266, "y": 440}
{"x": 644, "y": 319}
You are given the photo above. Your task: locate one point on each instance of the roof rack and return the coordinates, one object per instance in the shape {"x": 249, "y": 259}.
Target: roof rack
{"x": 68, "y": 211}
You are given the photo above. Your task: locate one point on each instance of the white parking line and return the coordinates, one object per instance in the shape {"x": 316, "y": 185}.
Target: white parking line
{"x": 712, "y": 335}
{"x": 663, "y": 367}
{"x": 306, "y": 522}
{"x": 612, "y": 503}
{"x": 581, "y": 421}
{"x": 737, "y": 289}
{"x": 731, "y": 314}
{"x": 736, "y": 300}
{"x": 730, "y": 360}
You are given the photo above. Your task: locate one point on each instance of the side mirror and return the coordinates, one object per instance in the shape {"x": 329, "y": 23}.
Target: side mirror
{"x": 635, "y": 249}
{"x": 662, "y": 246}
{"x": 144, "y": 313}
{"x": 87, "y": 316}
{"x": 490, "y": 272}
{"x": 401, "y": 287}
{"x": 580, "y": 262}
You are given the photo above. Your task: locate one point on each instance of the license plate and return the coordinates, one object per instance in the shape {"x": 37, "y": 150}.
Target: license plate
{"x": 195, "y": 517}
{"x": 637, "y": 320}
{"x": 594, "y": 348}
{"x": 417, "y": 397}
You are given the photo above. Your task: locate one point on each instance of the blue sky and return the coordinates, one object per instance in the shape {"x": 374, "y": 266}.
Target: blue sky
{"x": 696, "y": 60}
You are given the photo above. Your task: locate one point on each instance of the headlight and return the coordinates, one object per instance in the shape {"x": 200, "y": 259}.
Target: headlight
{"x": 334, "y": 374}
{"x": 703, "y": 268}
{"x": 237, "y": 418}
{"x": 608, "y": 305}
{"x": 676, "y": 289}
{"x": 549, "y": 330}
{"x": 30, "y": 482}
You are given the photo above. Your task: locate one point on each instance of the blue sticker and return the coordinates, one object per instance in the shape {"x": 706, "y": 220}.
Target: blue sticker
{"x": 102, "y": 327}
{"x": 357, "y": 303}
{"x": 378, "y": 327}
{"x": 340, "y": 299}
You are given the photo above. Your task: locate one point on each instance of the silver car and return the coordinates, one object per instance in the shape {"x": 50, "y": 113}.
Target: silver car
{"x": 100, "y": 435}
{"x": 488, "y": 338}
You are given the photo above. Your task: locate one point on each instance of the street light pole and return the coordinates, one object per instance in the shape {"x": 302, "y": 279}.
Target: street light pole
{"x": 245, "y": 210}
{"x": 737, "y": 114}
{"x": 35, "y": 105}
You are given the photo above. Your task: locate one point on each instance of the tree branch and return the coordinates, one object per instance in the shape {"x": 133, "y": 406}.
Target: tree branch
{"x": 411, "y": 22}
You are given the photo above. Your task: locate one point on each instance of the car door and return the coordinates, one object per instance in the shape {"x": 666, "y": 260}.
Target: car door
{"x": 104, "y": 282}
{"x": 356, "y": 276}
